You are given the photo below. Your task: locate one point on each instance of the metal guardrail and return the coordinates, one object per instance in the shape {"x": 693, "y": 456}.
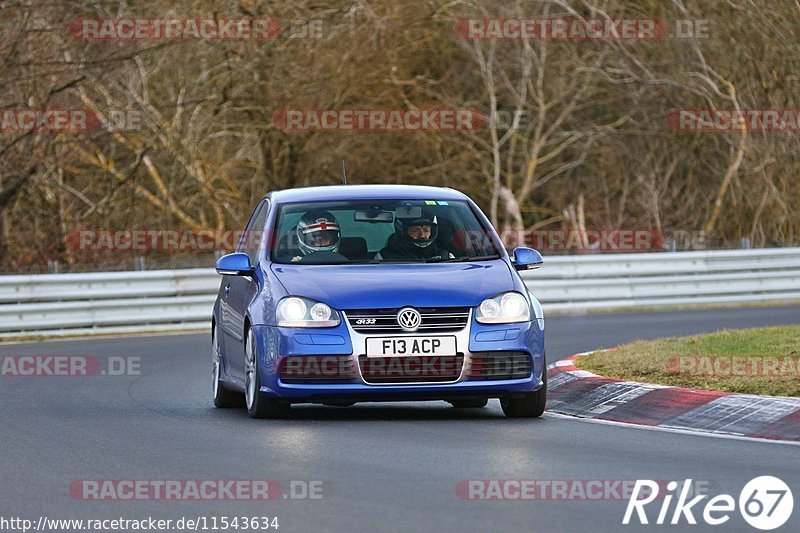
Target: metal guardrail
{"x": 569, "y": 284}
{"x": 109, "y": 302}
{"x": 115, "y": 302}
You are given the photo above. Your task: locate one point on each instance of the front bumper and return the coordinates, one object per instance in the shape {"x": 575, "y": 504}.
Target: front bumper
{"x": 275, "y": 344}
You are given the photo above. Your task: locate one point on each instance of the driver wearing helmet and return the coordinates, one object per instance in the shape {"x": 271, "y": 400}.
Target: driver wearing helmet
{"x": 415, "y": 239}
{"x": 317, "y": 231}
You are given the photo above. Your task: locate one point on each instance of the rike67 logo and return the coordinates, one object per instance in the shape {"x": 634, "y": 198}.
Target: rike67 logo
{"x": 765, "y": 503}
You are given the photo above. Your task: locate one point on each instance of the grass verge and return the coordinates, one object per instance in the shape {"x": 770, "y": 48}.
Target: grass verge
{"x": 750, "y": 361}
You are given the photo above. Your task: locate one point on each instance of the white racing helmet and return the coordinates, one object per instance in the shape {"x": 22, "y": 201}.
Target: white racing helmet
{"x": 316, "y": 228}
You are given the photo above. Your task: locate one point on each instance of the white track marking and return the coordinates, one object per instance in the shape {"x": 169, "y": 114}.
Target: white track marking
{"x": 550, "y": 414}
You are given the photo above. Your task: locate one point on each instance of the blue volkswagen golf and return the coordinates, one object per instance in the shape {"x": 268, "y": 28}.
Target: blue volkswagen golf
{"x": 364, "y": 293}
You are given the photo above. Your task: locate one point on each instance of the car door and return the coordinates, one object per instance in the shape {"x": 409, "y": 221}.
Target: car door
{"x": 239, "y": 291}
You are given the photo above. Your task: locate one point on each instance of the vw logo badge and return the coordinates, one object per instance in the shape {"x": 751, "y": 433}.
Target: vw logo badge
{"x": 409, "y": 319}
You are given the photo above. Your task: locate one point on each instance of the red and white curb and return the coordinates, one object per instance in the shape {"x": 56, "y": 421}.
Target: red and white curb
{"x": 576, "y": 392}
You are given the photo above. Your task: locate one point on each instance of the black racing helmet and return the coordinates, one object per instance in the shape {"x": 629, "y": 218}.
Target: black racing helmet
{"x": 426, "y": 218}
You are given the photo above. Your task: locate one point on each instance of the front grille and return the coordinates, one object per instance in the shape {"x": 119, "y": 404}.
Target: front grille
{"x": 429, "y": 369}
{"x": 434, "y": 319}
{"x": 499, "y": 365}
{"x": 317, "y": 369}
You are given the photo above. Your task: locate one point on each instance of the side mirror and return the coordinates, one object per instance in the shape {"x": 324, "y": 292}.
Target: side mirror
{"x": 236, "y": 264}
{"x": 527, "y": 258}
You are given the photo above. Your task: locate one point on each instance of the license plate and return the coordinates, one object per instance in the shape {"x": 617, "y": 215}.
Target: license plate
{"x": 411, "y": 346}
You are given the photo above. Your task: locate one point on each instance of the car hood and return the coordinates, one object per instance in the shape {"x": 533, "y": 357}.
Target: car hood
{"x": 396, "y": 285}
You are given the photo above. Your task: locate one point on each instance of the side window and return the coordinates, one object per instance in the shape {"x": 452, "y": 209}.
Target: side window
{"x": 254, "y": 231}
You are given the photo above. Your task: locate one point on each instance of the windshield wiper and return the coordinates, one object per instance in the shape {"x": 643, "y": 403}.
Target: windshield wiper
{"x": 411, "y": 261}
{"x": 462, "y": 259}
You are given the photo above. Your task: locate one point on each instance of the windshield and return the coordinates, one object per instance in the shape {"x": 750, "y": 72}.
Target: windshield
{"x": 381, "y": 231}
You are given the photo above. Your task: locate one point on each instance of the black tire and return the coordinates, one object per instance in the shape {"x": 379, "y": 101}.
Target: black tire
{"x": 223, "y": 398}
{"x": 531, "y": 405}
{"x": 469, "y": 404}
{"x": 258, "y": 405}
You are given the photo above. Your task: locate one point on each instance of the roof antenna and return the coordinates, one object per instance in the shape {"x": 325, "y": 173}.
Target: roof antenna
{"x": 344, "y": 174}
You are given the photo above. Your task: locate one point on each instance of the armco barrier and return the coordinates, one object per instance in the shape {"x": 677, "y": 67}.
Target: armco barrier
{"x": 569, "y": 284}
{"x": 107, "y": 302}
{"x": 182, "y": 299}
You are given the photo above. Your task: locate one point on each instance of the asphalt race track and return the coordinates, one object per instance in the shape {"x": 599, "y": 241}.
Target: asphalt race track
{"x": 383, "y": 467}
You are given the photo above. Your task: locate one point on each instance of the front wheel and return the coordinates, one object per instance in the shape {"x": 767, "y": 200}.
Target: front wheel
{"x": 258, "y": 405}
{"x": 530, "y": 405}
{"x": 223, "y": 398}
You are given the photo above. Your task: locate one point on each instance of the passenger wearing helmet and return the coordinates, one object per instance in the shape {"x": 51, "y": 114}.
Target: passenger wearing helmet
{"x": 317, "y": 232}
{"x": 415, "y": 239}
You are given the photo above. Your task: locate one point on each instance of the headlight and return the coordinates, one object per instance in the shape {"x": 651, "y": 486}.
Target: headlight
{"x": 504, "y": 309}
{"x": 296, "y": 312}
